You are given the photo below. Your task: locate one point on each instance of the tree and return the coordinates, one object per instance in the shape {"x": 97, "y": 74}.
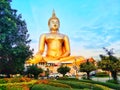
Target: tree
{"x": 47, "y": 72}
{"x": 63, "y": 70}
{"x": 87, "y": 67}
{"x": 34, "y": 70}
{"x": 110, "y": 63}
{"x": 14, "y": 40}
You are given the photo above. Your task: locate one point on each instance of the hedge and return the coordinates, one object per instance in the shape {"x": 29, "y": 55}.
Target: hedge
{"x": 82, "y": 85}
{"x": 110, "y": 85}
{"x": 47, "y": 87}
{"x": 17, "y": 86}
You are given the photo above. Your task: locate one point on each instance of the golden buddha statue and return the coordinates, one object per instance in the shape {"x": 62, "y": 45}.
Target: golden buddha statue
{"x": 57, "y": 45}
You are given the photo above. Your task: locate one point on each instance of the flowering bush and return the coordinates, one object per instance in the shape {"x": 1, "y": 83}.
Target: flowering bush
{"x": 42, "y": 82}
{"x": 17, "y": 86}
{"x": 25, "y": 79}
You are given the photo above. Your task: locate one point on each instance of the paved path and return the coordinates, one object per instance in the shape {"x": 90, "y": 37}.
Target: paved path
{"x": 103, "y": 79}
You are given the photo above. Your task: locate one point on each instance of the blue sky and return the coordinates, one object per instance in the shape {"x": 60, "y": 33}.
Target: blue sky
{"x": 89, "y": 24}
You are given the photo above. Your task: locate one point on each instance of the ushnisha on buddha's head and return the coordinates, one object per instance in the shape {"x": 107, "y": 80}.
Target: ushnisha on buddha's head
{"x": 54, "y": 22}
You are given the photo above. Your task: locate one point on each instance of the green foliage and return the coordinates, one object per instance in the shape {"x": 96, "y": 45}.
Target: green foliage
{"x": 102, "y": 74}
{"x": 2, "y": 81}
{"x": 34, "y": 70}
{"x": 110, "y": 63}
{"x": 56, "y": 84}
{"x": 2, "y": 87}
{"x": 87, "y": 67}
{"x": 14, "y": 40}
{"x": 47, "y": 87}
{"x": 14, "y": 80}
{"x": 110, "y": 85}
{"x": 63, "y": 70}
{"x": 17, "y": 86}
{"x": 82, "y": 85}
{"x": 65, "y": 78}
{"x": 113, "y": 81}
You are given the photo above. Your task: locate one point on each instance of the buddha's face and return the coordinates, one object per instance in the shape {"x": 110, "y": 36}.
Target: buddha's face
{"x": 54, "y": 25}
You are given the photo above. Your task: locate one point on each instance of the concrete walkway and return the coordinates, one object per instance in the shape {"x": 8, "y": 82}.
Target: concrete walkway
{"x": 103, "y": 79}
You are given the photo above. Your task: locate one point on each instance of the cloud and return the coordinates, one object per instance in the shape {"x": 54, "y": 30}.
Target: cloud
{"x": 89, "y": 41}
{"x": 81, "y": 50}
{"x": 87, "y": 53}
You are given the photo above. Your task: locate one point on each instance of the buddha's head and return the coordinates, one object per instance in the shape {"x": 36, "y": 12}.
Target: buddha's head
{"x": 54, "y": 22}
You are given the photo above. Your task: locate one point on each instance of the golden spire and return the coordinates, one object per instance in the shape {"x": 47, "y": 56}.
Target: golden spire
{"x": 53, "y": 17}
{"x": 53, "y": 14}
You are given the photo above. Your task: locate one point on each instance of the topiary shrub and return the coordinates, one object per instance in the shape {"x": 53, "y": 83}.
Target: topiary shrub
{"x": 2, "y": 81}
{"x": 56, "y": 84}
{"x": 2, "y": 87}
{"x": 113, "y": 81}
{"x": 66, "y": 78}
{"x": 83, "y": 85}
{"x": 102, "y": 74}
{"x": 47, "y": 87}
{"x": 17, "y": 86}
{"x": 110, "y": 85}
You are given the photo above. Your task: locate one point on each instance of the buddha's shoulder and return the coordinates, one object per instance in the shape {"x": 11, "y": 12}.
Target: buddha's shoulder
{"x": 44, "y": 34}
{"x": 49, "y": 34}
{"x": 63, "y": 35}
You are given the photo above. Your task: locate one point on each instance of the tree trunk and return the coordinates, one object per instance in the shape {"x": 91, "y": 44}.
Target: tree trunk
{"x": 63, "y": 75}
{"x": 114, "y": 75}
{"x": 8, "y": 75}
{"x": 88, "y": 76}
{"x": 36, "y": 76}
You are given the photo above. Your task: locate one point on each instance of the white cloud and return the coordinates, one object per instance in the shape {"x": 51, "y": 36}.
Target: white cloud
{"x": 81, "y": 50}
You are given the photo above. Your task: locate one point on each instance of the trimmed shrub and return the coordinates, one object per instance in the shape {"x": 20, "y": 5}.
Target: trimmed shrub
{"x": 113, "y": 81}
{"x": 102, "y": 87}
{"x": 83, "y": 85}
{"x": 2, "y": 87}
{"x": 59, "y": 85}
{"x": 66, "y": 78}
{"x": 47, "y": 87}
{"x": 2, "y": 81}
{"x": 102, "y": 74}
{"x": 14, "y": 86}
{"x": 110, "y": 85}
{"x": 16, "y": 80}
